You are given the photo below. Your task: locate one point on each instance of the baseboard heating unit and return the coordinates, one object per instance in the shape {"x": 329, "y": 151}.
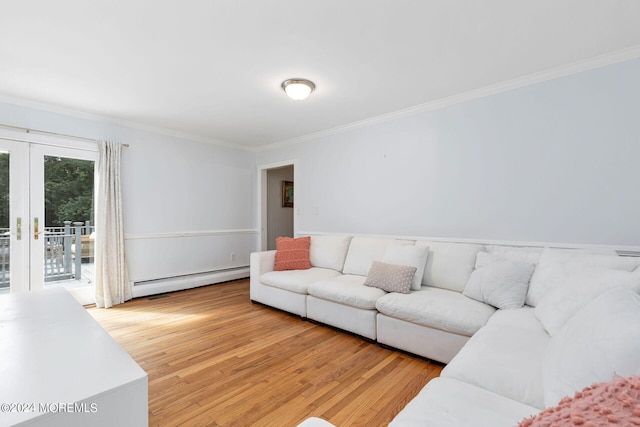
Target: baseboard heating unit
{"x": 177, "y": 283}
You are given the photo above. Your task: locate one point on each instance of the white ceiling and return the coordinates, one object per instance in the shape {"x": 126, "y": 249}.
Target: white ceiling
{"x": 212, "y": 69}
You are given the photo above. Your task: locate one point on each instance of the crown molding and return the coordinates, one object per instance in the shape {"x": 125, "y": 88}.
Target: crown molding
{"x": 530, "y": 79}
{"x": 121, "y": 122}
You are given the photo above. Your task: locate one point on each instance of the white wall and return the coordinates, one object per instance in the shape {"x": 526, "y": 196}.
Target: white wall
{"x": 187, "y": 205}
{"x": 279, "y": 219}
{"x": 556, "y": 161}
{"x": 552, "y": 162}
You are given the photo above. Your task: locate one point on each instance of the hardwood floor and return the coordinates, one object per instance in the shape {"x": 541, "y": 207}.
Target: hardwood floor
{"x": 216, "y": 359}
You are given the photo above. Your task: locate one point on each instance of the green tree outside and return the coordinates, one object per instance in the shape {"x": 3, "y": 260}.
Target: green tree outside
{"x": 4, "y": 190}
{"x": 68, "y": 190}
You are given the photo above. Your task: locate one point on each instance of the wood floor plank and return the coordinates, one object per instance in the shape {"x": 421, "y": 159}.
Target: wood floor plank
{"x": 216, "y": 359}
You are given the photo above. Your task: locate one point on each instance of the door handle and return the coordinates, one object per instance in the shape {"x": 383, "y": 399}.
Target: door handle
{"x": 35, "y": 229}
{"x": 18, "y": 232}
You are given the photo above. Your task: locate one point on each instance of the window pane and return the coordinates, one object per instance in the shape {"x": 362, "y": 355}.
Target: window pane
{"x": 69, "y": 219}
{"x": 4, "y": 222}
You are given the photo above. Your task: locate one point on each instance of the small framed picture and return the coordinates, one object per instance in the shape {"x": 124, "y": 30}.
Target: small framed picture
{"x": 287, "y": 194}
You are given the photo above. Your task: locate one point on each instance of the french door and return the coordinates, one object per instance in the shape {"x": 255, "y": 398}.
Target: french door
{"x": 14, "y": 203}
{"x": 46, "y": 217}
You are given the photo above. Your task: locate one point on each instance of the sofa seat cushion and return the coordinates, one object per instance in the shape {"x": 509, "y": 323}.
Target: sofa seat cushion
{"x": 347, "y": 289}
{"x": 505, "y": 357}
{"x": 523, "y": 318}
{"x": 437, "y": 308}
{"x": 296, "y": 280}
{"x": 446, "y": 402}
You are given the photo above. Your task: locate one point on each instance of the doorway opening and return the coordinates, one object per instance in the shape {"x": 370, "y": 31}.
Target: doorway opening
{"x": 277, "y": 197}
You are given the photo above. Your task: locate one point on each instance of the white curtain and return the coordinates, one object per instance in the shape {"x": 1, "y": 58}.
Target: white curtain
{"x": 111, "y": 278}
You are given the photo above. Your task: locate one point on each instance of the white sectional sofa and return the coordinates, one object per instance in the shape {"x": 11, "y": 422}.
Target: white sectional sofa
{"x": 503, "y": 365}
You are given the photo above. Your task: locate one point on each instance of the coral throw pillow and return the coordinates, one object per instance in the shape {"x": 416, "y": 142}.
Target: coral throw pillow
{"x": 292, "y": 254}
{"x": 604, "y": 404}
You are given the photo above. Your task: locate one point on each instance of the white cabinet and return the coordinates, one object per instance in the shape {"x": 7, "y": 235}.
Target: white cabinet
{"x": 59, "y": 367}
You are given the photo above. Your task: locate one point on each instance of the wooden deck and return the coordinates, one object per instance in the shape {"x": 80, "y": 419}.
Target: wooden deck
{"x": 87, "y": 279}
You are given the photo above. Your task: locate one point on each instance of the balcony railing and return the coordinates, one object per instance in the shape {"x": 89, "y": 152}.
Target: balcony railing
{"x": 4, "y": 258}
{"x": 62, "y": 245}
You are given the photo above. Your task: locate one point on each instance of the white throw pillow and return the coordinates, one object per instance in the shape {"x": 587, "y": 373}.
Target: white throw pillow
{"x": 413, "y": 256}
{"x": 499, "y": 282}
{"x": 555, "y": 265}
{"x": 558, "y": 305}
{"x": 598, "y": 342}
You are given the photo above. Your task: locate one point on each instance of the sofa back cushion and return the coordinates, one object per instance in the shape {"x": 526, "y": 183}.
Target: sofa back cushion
{"x": 598, "y": 342}
{"x": 364, "y": 250}
{"x": 449, "y": 265}
{"x": 329, "y": 251}
{"x": 556, "y": 265}
{"x": 561, "y": 303}
{"x": 414, "y": 256}
{"x": 528, "y": 254}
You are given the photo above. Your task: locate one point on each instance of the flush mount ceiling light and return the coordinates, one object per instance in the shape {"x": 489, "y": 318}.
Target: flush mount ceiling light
{"x": 298, "y": 89}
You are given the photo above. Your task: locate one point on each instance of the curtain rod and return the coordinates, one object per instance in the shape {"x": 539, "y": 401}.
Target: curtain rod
{"x": 28, "y": 130}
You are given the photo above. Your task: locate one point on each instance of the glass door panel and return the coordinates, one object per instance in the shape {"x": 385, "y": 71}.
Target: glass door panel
{"x": 62, "y": 207}
{"x": 14, "y": 227}
{"x": 5, "y": 234}
{"x": 69, "y": 219}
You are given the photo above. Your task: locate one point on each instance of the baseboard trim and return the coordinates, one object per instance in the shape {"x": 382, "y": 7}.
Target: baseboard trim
{"x": 179, "y": 283}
